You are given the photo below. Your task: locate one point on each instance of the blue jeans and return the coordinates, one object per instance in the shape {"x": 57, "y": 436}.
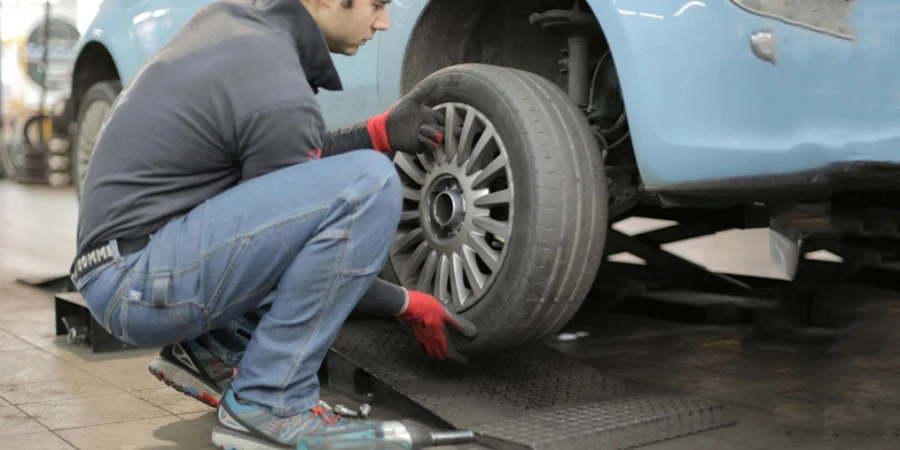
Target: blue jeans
{"x": 289, "y": 253}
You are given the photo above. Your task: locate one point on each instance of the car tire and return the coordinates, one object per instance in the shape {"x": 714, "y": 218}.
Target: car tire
{"x": 557, "y": 206}
{"x": 92, "y": 113}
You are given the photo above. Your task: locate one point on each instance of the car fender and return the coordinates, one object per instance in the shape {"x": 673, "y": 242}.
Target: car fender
{"x": 392, "y": 47}
{"x": 108, "y": 30}
{"x": 406, "y": 14}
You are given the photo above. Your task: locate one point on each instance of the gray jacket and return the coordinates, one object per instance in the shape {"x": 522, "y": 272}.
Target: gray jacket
{"x": 229, "y": 98}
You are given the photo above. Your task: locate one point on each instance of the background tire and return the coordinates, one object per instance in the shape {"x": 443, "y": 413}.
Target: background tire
{"x": 558, "y": 199}
{"x": 92, "y": 113}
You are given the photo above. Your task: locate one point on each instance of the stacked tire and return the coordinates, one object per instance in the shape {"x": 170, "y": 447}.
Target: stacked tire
{"x": 25, "y": 159}
{"x": 38, "y": 157}
{"x": 57, "y": 152}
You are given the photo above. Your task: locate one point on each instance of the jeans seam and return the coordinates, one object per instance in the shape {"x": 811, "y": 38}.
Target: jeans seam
{"x": 211, "y": 304}
{"x": 114, "y": 302}
{"x": 239, "y": 301}
{"x": 232, "y": 242}
{"x": 123, "y": 320}
{"x": 175, "y": 309}
{"x": 329, "y": 299}
{"x": 266, "y": 227}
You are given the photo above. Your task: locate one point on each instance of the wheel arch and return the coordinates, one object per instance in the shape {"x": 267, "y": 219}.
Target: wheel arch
{"x": 440, "y": 33}
{"x": 95, "y": 63}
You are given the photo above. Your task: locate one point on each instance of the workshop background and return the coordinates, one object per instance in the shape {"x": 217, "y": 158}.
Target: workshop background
{"x": 829, "y": 379}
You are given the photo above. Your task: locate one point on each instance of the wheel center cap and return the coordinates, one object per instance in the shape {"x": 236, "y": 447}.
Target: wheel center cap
{"x": 448, "y": 209}
{"x": 446, "y": 206}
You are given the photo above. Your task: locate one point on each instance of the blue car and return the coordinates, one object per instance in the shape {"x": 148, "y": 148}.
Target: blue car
{"x": 569, "y": 113}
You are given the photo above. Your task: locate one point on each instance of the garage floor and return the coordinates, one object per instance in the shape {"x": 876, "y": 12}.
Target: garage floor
{"x": 816, "y": 389}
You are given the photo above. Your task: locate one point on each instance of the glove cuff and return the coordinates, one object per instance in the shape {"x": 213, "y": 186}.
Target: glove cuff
{"x": 377, "y": 127}
{"x": 405, "y": 303}
{"x": 412, "y": 310}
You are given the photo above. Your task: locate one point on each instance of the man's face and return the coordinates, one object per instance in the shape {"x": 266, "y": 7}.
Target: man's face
{"x": 346, "y": 28}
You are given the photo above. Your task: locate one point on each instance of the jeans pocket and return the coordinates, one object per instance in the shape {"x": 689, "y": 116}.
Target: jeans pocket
{"x": 145, "y": 324}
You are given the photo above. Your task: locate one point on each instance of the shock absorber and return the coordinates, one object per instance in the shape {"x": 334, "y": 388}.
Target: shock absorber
{"x": 579, "y": 28}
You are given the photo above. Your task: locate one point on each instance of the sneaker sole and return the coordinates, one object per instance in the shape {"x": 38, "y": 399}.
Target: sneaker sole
{"x": 183, "y": 381}
{"x": 228, "y": 439}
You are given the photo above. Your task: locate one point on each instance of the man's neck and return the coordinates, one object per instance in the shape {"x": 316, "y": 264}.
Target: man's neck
{"x": 293, "y": 17}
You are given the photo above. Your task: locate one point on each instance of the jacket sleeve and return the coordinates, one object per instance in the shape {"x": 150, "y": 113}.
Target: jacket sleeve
{"x": 278, "y": 136}
{"x": 382, "y": 299}
{"x": 346, "y": 139}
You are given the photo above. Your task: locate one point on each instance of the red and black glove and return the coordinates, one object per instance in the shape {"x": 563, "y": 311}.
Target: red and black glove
{"x": 407, "y": 127}
{"x": 429, "y": 320}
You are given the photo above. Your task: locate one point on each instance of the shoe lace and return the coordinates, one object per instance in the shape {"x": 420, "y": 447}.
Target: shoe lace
{"x": 328, "y": 417}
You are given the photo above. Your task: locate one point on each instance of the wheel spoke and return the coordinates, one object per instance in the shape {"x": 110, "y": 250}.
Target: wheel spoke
{"x": 494, "y": 169}
{"x": 428, "y": 273}
{"x": 443, "y": 278}
{"x": 427, "y": 162}
{"x": 465, "y": 138}
{"x": 415, "y": 261}
{"x": 493, "y": 226}
{"x": 476, "y": 278}
{"x": 503, "y": 197}
{"x": 490, "y": 256}
{"x": 451, "y": 149}
{"x": 404, "y": 241}
{"x": 408, "y": 216}
{"x": 406, "y": 165}
{"x": 411, "y": 193}
{"x": 457, "y": 282}
{"x": 485, "y": 139}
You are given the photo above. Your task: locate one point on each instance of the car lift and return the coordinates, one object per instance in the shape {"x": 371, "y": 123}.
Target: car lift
{"x": 541, "y": 398}
{"x": 669, "y": 286}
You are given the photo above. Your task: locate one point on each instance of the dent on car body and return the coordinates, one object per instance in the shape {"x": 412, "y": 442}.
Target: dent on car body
{"x": 826, "y": 16}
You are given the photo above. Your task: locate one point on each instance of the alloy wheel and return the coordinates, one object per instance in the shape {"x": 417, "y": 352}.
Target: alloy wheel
{"x": 457, "y": 217}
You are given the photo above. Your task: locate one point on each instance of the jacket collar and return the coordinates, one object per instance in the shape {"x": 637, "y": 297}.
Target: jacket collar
{"x": 293, "y": 17}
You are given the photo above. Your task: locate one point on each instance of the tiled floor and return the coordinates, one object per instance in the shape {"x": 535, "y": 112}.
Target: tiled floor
{"x": 816, "y": 389}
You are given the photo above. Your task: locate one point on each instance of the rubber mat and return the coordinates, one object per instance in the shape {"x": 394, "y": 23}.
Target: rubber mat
{"x": 533, "y": 398}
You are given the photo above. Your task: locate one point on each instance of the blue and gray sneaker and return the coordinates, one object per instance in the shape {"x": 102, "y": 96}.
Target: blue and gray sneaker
{"x": 242, "y": 425}
{"x": 191, "y": 369}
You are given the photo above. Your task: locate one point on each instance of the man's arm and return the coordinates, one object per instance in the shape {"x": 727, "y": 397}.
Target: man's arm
{"x": 382, "y": 299}
{"x": 426, "y": 315}
{"x": 406, "y": 127}
{"x": 349, "y": 138}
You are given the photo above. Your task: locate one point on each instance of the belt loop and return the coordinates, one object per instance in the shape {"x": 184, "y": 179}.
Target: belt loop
{"x": 114, "y": 247}
{"x": 160, "y": 290}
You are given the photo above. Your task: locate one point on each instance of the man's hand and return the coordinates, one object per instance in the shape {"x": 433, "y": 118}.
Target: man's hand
{"x": 429, "y": 320}
{"x": 407, "y": 127}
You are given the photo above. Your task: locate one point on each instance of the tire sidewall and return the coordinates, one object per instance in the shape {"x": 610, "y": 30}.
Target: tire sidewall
{"x": 105, "y": 91}
{"x": 462, "y": 87}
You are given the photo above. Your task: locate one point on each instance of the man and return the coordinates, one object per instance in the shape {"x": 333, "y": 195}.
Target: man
{"x": 219, "y": 218}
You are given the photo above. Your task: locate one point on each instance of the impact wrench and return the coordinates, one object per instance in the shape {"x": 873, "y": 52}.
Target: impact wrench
{"x": 389, "y": 435}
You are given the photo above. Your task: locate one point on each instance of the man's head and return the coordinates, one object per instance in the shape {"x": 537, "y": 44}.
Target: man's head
{"x": 348, "y": 24}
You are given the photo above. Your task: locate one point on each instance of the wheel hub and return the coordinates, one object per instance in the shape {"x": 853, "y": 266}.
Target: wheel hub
{"x": 448, "y": 207}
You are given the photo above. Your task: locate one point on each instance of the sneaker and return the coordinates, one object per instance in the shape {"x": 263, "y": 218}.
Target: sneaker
{"x": 242, "y": 425}
{"x": 194, "y": 371}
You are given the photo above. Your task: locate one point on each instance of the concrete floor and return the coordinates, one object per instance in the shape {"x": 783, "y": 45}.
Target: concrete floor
{"x": 815, "y": 389}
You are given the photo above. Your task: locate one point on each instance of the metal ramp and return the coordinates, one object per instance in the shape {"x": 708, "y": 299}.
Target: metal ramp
{"x": 533, "y": 398}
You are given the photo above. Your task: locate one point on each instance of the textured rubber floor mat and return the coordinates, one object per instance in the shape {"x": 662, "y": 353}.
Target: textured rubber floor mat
{"x": 534, "y": 398}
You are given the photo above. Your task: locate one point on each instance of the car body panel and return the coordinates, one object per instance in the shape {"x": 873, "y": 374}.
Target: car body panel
{"x": 702, "y": 105}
